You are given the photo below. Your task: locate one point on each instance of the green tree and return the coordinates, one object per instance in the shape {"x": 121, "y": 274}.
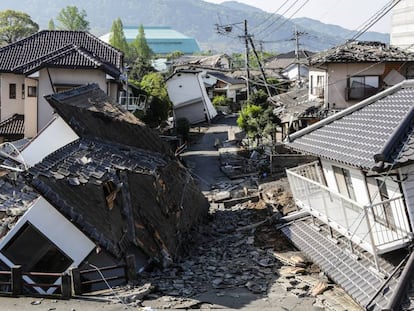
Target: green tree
{"x": 70, "y": 18}
{"x": 159, "y": 102}
{"x": 15, "y": 25}
{"x": 117, "y": 38}
{"x": 51, "y": 25}
{"x": 140, "y": 56}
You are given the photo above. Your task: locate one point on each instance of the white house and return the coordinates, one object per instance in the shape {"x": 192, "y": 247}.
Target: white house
{"x": 361, "y": 191}
{"x": 50, "y": 62}
{"x": 188, "y": 94}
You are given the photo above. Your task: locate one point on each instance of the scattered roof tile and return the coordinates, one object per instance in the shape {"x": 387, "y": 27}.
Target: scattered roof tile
{"x": 363, "y": 52}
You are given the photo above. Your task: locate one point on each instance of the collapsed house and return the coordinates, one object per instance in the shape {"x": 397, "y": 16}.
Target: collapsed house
{"x": 113, "y": 190}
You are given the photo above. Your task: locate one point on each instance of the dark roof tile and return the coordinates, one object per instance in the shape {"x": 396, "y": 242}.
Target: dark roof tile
{"x": 369, "y": 129}
{"x": 13, "y": 125}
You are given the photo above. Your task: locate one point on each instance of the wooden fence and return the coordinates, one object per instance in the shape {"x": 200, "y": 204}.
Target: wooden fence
{"x": 13, "y": 282}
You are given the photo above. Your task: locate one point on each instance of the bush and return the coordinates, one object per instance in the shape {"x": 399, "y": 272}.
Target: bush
{"x": 221, "y": 100}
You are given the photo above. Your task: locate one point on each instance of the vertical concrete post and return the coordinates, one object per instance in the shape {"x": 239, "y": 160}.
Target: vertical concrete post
{"x": 131, "y": 268}
{"x": 16, "y": 280}
{"x": 66, "y": 286}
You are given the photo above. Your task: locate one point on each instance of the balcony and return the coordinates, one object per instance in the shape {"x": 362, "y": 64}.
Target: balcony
{"x": 133, "y": 103}
{"x": 378, "y": 228}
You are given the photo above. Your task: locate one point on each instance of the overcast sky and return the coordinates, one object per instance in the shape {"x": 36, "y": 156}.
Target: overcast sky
{"x": 350, "y": 14}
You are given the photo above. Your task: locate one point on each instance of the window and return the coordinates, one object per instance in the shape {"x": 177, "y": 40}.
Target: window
{"x": 31, "y": 91}
{"x": 344, "y": 182}
{"x": 12, "y": 90}
{"x": 318, "y": 87}
{"x": 383, "y": 212}
{"x": 35, "y": 252}
{"x": 360, "y": 87}
{"x": 23, "y": 91}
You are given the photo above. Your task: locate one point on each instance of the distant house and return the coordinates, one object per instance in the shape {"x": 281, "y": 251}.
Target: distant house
{"x": 189, "y": 97}
{"x": 50, "y": 62}
{"x": 218, "y": 61}
{"x": 94, "y": 188}
{"x": 162, "y": 40}
{"x": 351, "y": 72}
{"x": 287, "y": 64}
{"x": 221, "y": 84}
{"x": 360, "y": 197}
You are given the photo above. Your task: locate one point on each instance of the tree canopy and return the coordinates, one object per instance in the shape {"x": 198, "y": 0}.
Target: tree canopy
{"x": 70, "y": 18}
{"x": 117, "y": 38}
{"x": 15, "y": 25}
{"x": 140, "y": 55}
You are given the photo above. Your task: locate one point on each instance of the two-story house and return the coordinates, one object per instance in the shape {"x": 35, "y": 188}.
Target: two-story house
{"x": 359, "y": 197}
{"x": 50, "y": 62}
{"x": 346, "y": 74}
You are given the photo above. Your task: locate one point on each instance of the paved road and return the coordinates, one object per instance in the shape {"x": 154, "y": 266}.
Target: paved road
{"x": 203, "y": 158}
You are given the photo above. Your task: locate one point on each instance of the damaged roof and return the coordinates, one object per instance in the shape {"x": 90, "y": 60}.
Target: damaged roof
{"x": 362, "y": 52}
{"x": 370, "y": 135}
{"x": 60, "y": 48}
{"x": 225, "y": 78}
{"x": 93, "y": 114}
{"x": 121, "y": 192}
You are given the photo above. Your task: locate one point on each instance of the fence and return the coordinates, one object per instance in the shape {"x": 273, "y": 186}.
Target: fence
{"x": 15, "y": 281}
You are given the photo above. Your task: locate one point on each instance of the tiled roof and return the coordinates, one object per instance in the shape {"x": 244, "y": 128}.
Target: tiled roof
{"x": 363, "y": 52}
{"x": 147, "y": 191}
{"x": 13, "y": 125}
{"x": 58, "y": 47}
{"x": 91, "y": 114}
{"x": 377, "y": 130}
{"x": 225, "y": 78}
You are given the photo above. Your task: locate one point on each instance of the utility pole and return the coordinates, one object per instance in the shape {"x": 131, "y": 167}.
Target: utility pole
{"x": 261, "y": 68}
{"x": 297, "y": 35}
{"x": 246, "y": 59}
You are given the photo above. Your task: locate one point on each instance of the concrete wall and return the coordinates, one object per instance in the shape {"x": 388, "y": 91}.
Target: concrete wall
{"x": 11, "y": 106}
{"x": 402, "y": 24}
{"x": 30, "y": 110}
{"x": 63, "y": 76}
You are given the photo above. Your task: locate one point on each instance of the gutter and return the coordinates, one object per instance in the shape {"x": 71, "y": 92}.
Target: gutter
{"x": 399, "y": 291}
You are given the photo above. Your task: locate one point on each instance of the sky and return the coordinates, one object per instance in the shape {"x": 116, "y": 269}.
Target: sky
{"x": 350, "y": 14}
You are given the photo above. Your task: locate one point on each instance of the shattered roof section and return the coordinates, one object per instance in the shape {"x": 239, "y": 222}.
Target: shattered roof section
{"x": 362, "y": 52}
{"x": 225, "y": 78}
{"x": 92, "y": 114}
{"x": 120, "y": 195}
{"x": 376, "y": 131}
{"x": 15, "y": 199}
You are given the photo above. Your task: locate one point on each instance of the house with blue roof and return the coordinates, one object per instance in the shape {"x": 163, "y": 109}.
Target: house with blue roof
{"x": 162, "y": 40}
{"x": 355, "y": 203}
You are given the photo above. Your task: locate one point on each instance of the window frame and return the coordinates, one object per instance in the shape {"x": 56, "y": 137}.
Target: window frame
{"x": 12, "y": 90}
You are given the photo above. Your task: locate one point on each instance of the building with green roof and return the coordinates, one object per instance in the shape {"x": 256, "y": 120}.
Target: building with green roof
{"x": 161, "y": 39}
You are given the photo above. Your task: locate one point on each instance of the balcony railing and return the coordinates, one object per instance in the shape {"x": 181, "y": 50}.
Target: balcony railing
{"x": 378, "y": 228}
{"x": 133, "y": 103}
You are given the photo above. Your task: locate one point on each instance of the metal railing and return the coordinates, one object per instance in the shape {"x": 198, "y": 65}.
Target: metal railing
{"x": 378, "y": 228}
{"x": 133, "y": 103}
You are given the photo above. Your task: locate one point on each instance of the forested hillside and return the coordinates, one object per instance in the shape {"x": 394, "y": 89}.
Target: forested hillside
{"x": 198, "y": 19}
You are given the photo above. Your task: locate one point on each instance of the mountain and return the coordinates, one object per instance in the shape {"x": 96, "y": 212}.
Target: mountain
{"x": 199, "y": 19}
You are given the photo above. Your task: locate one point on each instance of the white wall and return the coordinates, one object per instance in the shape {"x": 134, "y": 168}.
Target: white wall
{"x": 407, "y": 174}
{"x": 30, "y": 110}
{"x": 53, "y": 137}
{"x": 11, "y": 106}
{"x": 183, "y": 87}
{"x": 57, "y": 228}
{"x": 402, "y": 24}
{"x": 63, "y": 76}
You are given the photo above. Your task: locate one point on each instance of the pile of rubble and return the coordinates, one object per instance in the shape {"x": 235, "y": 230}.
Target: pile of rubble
{"x": 239, "y": 248}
